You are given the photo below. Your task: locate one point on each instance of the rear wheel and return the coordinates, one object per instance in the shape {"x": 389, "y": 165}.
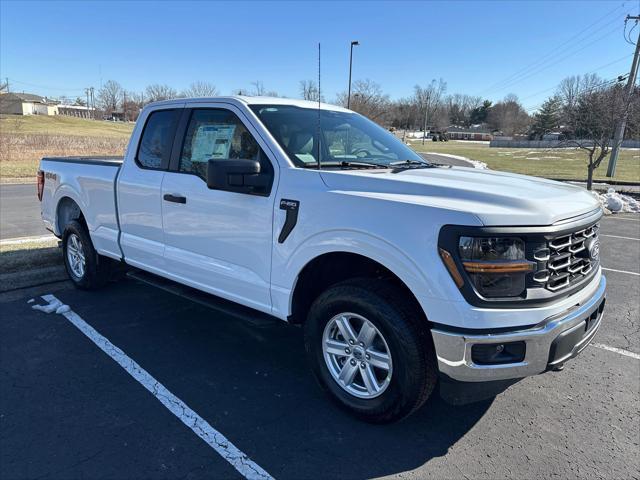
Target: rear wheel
{"x": 86, "y": 269}
{"x": 371, "y": 350}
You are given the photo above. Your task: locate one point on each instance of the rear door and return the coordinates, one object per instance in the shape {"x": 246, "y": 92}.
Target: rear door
{"x": 219, "y": 241}
{"x": 139, "y": 188}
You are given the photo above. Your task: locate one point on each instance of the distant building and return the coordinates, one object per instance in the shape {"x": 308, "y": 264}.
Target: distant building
{"x": 76, "y": 111}
{"x": 474, "y": 132}
{"x": 27, "y": 104}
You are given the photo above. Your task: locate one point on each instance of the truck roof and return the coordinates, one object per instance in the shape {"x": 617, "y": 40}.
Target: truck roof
{"x": 241, "y": 99}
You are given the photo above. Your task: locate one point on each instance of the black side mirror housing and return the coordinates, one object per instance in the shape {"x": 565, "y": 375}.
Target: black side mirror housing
{"x": 237, "y": 175}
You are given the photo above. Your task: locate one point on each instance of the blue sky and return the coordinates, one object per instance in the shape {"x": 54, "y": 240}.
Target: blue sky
{"x": 59, "y": 48}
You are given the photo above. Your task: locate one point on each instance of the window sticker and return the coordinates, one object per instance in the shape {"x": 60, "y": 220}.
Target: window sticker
{"x": 212, "y": 142}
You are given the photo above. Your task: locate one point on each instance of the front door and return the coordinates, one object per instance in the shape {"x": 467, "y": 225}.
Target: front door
{"x": 218, "y": 241}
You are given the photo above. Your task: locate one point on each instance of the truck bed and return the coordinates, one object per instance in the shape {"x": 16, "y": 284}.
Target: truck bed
{"x": 89, "y": 182}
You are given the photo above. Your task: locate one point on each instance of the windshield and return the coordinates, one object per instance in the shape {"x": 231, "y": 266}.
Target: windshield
{"x": 346, "y": 139}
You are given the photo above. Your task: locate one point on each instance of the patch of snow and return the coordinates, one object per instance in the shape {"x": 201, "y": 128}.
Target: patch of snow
{"x": 51, "y": 307}
{"x": 31, "y": 300}
{"x": 62, "y": 309}
{"x": 475, "y": 163}
{"x": 613, "y": 202}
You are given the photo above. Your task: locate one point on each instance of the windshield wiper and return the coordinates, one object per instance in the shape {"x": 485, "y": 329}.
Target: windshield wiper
{"x": 410, "y": 163}
{"x": 407, "y": 164}
{"x": 362, "y": 164}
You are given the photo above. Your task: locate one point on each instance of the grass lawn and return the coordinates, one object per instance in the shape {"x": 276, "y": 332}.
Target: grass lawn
{"x": 63, "y": 125}
{"x": 550, "y": 163}
{"x": 29, "y": 263}
{"x": 24, "y": 140}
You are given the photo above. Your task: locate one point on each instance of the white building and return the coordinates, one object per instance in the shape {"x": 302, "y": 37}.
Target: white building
{"x": 27, "y": 104}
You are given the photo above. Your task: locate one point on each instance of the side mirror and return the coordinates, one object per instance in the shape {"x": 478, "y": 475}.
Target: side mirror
{"x": 237, "y": 175}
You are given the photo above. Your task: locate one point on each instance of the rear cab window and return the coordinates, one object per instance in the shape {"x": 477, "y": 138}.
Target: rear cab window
{"x": 156, "y": 141}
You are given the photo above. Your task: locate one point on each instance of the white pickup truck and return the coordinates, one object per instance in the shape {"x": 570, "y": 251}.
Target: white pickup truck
{"x": 399, "y": 271}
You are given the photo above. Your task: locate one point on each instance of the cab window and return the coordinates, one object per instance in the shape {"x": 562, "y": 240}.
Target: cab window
{"x": 217, "y": 134}
{"x": 154, "y": 149}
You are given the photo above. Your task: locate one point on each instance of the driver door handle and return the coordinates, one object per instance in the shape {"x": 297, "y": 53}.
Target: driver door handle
{"x": 175, "y": 198}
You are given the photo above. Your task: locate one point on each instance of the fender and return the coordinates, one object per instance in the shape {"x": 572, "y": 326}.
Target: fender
{"x": 286, "y": 270}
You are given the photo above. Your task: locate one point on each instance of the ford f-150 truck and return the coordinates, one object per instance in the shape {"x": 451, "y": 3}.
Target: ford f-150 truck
{"x": 400, "y": 271}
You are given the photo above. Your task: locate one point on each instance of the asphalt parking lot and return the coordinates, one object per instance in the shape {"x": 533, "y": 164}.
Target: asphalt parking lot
{"x": 68, "y": 410}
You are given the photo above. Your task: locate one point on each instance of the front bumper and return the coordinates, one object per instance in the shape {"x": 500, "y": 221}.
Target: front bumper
{"x": 547, "y": 345}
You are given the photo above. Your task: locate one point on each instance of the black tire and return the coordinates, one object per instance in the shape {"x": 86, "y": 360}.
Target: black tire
{"x": 97, "y": 269}
{"x": 406, "y": 333}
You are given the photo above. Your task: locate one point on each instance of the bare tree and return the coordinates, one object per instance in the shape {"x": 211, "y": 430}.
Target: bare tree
{"x": 570, "y": 90}
{"x": 4, "y": 87}
{"x": 309, "y": 90}
{"x": 367, "y": 98}
{"x": 200, "y": 89}
{"x": 260, "y": 91}
{"x": 428, "y": 100}
{"x": 110, "y": 96}
{"x": 595, "y": 115}
{"x": 158, "y": 92}
{"x": 509, "y": 116}
{"x": 460, "y": 106}
{"x": 133, "y": 104}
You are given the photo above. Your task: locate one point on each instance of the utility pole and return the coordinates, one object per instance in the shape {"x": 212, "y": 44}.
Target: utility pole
{"x": 631, "y": 81}
{"x": 426, "y": 117}
{"x": 124, "y": 106}
{"x": 354, "y": 43}
{"x": 92, "y": 104}
{"x": 86, "y": 91}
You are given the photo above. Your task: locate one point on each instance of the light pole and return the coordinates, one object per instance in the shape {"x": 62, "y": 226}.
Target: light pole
{"x": 355, "y": 42}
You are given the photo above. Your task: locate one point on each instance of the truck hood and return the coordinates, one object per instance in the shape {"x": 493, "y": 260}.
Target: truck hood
{"x": 495, "y": 198}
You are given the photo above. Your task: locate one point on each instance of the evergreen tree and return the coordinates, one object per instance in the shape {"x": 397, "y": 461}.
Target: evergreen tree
{"x": 547, "y": 118}
{"x": 480, "y": 114}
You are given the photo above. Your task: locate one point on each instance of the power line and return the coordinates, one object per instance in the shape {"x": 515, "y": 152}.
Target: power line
{"x": 67, "y": 89}
{"x": 606, "y": 83}
{"x": 554, "y": 51}
{"x": 631, "y": 80}
{"x": 588, "y": 73}
{"x": 558, "y": 60}
{"x": 627, "y": 36}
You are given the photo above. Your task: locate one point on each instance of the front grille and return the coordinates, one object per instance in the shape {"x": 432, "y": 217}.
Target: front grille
{"x": 567, "y": 259}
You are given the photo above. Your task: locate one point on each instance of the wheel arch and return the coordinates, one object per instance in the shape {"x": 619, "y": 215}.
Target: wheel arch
{"x": 330, "y": 268}
{"x": 67, "y": 210}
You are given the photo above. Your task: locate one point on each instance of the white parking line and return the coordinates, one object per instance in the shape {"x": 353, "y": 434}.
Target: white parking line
{"x": 617, "y": 236}
{"x": 19, "y": 240}
{"x": 622, "y": 218}
{"x": 621, "y": 271}
{"x": 191, "y": 419}
{"x": 626, "y": 353}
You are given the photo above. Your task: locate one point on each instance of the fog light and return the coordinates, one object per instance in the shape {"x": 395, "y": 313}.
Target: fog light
{"x": 498, "y": 353}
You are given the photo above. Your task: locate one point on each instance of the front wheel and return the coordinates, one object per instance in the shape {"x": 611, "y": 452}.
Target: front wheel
{"x": 371, "y": 350}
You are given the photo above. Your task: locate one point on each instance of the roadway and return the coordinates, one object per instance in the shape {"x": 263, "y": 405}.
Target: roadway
{"x": 20, "y": 212}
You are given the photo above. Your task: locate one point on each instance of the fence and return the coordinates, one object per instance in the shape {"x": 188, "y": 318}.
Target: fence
{"x": 629, "y": 143}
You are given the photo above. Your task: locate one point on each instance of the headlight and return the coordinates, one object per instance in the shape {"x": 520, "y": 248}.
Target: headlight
{"x": 496, "y": 265}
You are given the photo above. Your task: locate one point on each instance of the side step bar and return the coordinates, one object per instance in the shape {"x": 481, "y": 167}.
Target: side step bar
{"x": 221, "y": 305}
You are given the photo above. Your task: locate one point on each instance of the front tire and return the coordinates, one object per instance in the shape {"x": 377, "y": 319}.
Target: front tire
{"x": 86, "y": 269}
{"x": 370, "y": 348}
